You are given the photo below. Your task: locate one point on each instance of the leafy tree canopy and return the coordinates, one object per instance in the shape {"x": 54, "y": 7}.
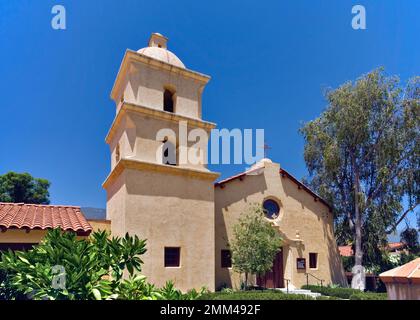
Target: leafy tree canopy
{"x": 255, "y": 243}
{"x": 362, "y": 154}
{"x": 22, "y": 187}
{"x": 410, "y": 237}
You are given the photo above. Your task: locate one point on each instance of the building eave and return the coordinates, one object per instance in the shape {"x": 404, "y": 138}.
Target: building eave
{"x": 125, "y": 163}
{"x": 26, "y": 216}
{"x": 156, "y": 114}
{"x": 284, "y": 174}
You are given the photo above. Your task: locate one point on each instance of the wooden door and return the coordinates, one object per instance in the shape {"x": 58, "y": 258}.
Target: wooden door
{"x": 273, "y": 278}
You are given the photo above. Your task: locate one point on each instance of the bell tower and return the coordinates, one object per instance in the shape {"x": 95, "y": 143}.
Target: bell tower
{"x": 154, "y": 189}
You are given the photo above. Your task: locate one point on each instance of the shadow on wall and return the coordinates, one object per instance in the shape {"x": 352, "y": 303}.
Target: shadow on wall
{"x": 307, "y": 200}
{"x": 223, "y": 276}
{"x": 233, "y": 192}
{"x": 142, "y": 78}
{"x": 292, "y": 190}
{"x": 240, "y": 189}
{"x": 114, "y": 188}
{"x": 336, "y": 266}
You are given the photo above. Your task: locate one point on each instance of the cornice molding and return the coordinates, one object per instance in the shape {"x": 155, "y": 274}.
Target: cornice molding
{"x": 156, "y": 114}
{"x": 125, "y": 163}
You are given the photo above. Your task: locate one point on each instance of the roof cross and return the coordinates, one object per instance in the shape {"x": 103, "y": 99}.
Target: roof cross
{"x": 266, "y": 147}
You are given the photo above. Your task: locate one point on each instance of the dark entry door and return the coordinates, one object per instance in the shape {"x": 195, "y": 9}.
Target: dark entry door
{"x": 274, "y": 277}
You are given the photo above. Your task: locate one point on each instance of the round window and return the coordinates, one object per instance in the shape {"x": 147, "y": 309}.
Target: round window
{"x": 271, "y": 209}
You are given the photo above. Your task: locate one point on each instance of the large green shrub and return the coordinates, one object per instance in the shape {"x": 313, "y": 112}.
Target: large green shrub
{"x": 369, "y": 296}
{"x": 258, "y": 295}
{"x": 63, "y": 267}
{"x": 345, "y": 293}
{"x": 254, "y": 295}
{"x": 168, "y": 292}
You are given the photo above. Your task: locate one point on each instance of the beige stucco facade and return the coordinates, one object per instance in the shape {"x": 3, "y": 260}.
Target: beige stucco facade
{"x": 100, "y": 225}
{"x": 27, "y": 236}
{"x": 179, "y": 205}
{"x": 22, "y": 236}
{"x": 305, "y": 224}
{"x": 169, "y": 205}
{"x": 169, "y": 210}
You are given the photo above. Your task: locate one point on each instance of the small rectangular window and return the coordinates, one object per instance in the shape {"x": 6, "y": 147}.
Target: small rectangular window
{"x": 172, "y": 256}
{"x": 168, "y": 101}
{"x": 313, "y": 260}
{"x": 226, "y": 259}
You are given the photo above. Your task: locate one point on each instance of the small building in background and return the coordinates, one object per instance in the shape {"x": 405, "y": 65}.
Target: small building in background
{"x": 403, "y": 282}
{"x": 23, "y": 225}
{"x": 394, "y": 249}
{"x": 397, "y": 248}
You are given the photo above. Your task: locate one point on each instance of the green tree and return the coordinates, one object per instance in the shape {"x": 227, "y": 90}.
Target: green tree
{"x": 410, "y": 237}
{"x": 362, "y": 155}
{"x": 255, "y": 243}
{"x": 22, "y": 187}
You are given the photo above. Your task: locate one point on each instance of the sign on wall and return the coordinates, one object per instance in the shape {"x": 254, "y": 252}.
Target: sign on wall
{"x": 301, "y": 263}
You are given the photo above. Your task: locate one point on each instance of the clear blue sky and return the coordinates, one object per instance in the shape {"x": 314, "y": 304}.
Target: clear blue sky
{"x": 269, "y": 62}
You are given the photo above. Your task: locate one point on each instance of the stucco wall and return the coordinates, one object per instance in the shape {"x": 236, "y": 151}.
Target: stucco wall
{"x": 169, "y": 211}
{"x": 139, "y": 138}
{"x": 169, "y": 206}
{"x": 100, "y": 225}
{"x": 115, "y": 205}
{"x": 21, "y": 236}
{"x": 298, "y": 211}
{"x": 403, "y": 291}
{"x": 143, "y": 86}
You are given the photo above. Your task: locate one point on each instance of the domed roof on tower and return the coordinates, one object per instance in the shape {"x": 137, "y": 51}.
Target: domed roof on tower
{"x": 157, "y": 49}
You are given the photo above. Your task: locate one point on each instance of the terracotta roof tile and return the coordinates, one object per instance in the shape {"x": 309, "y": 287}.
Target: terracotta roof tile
{"x": 36, "y": 216}
{"x": 345, "y": 251}
{"x": 407, "y": 273}
{"x": 395, "y": 246}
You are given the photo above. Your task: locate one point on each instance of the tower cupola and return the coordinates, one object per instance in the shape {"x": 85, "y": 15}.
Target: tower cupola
{"x": 158, "y": 49}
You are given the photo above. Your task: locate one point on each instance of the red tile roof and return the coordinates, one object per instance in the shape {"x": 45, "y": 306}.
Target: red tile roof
{"x": 284, "y": 174}
{"x": 407, "y": 273}
{"x": 37, "y": 216}
{"x": 345, "y": 251}
{"x": 395, "y": 246}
